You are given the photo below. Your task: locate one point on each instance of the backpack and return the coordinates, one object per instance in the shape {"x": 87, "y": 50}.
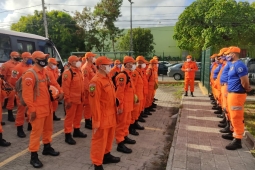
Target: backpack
{"x": 18, "y": 86}
{"x": 116, "y": 74}
{"x": 59, "y": 80}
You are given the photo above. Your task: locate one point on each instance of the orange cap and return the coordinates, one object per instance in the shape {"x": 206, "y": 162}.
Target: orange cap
{"x": 103, "y": 60}
{"x": 154, "y": 61}
{"x": 117, "y": 62}
{"x": 89, "y": 54}
{"x": 128, "y": 59}
{"x": 214, "y": 55}
{"x": 222, "y": 51}
{"x": 52, "y": 60}
{"x": 233, "y": 49}
{"x": 189, "y": 57}
{"x": 14, "y": 53}
{"x": 39, "y": 54}
{"x": 155, "y": 57}
{"x": 83, "y": 59}
{"x": 73, "y": 58}
{"x": 26, "y": 55}
{"x": 140, "y": 58}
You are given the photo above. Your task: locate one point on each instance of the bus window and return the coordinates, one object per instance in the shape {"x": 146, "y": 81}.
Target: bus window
{"x": 5, "y": 48}
{"x": 30, "y": 48}
{"x": 25, "y": 46}
{"x": 20, "y": 47}
{"x": 49, "y": 50}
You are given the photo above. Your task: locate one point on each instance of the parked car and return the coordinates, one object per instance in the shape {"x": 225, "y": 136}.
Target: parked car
{"x": 162, "y": 69}
{"x": 163, "y": 62}
{"x": 176, "y": 72}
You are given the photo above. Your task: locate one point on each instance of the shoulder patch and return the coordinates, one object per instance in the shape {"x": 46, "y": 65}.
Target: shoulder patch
{"x": 92, "y": 88}
{"x": 28, "y": 81}
{"x": 121, "y": 79}
{"x": 15, "y": 73}
{"x": 240, "y": 70}
{"x": 65, "y": 76}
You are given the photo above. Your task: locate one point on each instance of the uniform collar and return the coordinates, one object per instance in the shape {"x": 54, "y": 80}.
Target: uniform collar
{"x": 38, "y": 70}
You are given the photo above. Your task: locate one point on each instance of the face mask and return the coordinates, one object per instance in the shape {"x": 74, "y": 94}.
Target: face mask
{"x": 29, "y": 61}
{"x": 133, "y": 67}
{"x": 143, "y": 65}
{"x": 228, "y": 58}
{"x": 53, "y": 67}
{"x": 188, "y": 60}
{"x": 17, "y": 59}
{"x": 223, "y": 58}
{"x": 42, "y": 63}
{"x": 212, "y": 60}
{"x": 78, "y": 64}
{"x": 119, "y": 66}
{"x": 107, "y": 69}
{"x": 93, "y": 60}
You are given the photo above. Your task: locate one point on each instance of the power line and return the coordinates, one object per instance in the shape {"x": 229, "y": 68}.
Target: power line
{"x": 20, "y": 8}
{"x": 125, "y": 6}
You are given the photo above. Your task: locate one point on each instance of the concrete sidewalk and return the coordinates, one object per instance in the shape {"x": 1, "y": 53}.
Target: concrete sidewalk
{"x": 198, "y": 144}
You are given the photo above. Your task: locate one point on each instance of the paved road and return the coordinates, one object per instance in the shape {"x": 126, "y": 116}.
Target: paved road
{"x": 149, "y": 145}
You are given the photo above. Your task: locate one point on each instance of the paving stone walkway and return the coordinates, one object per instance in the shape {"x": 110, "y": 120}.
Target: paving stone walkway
{"x": 198, "y": 144}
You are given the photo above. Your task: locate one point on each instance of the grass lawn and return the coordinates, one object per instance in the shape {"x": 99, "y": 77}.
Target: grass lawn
{"x": 249, "y": 118}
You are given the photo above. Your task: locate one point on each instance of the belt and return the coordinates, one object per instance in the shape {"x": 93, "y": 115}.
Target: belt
{"x": 223, "y": 84}
{"x": 237, "y": 92}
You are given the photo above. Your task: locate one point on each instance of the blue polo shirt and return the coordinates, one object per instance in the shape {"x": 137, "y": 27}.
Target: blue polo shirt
{"x": 216, "y": 71}
{"x": 237, "y": 70}
{"x": 224, "y": 75}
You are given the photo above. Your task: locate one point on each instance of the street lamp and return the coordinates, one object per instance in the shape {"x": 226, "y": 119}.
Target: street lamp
{"x": 131, "y": 35}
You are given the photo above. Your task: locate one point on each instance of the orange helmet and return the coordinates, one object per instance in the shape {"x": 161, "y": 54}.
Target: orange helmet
{"x": 54, "y": 91}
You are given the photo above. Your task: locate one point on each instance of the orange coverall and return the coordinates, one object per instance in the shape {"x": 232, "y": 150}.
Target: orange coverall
{"x": 125, "y": 95}
{"x": 113, "y": 71}
{"x": 7, "y": 72}
{"x": 138, "y": 85}
{"x": 102, "y": 100}
{"x": 145, "y": 87}
{"x": 151, "y": 86}
{"x": 189, "y": 75}
{"x": 88, "y": 73}
{"x": 156, "y": 79}
{"x": 3, "y": 95}
{"x": 73, "y": 93}
{"x": 17, "y": 72}
{"x": 43, "y": 123}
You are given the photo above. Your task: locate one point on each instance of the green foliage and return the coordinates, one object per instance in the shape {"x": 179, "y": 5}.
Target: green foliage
{"x": 62, "y": 29}
{"x": 142, "y": 42}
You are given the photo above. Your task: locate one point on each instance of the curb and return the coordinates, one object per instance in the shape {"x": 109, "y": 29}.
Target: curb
{"x": 249, "y": 140}
{"x": 172, "y": 149}
{"x": 175, "y": 82}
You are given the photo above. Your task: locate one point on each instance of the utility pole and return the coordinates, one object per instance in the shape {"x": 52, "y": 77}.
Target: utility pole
{"x": 131, "y": 34}
{"x": 45, "y": 20}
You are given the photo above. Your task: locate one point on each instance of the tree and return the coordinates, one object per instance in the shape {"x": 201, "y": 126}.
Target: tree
{"x": 62, "y": 28}
{"x": 142, "y": 42}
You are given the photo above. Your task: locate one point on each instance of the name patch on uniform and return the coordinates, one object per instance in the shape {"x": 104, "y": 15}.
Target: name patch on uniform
{"x": 92, "y": 88}
{"x": 121, "y": 79}
{"x": 240, "y": 70}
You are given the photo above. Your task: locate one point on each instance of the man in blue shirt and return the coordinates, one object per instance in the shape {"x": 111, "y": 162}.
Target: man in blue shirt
{"x": 238, "y": 85}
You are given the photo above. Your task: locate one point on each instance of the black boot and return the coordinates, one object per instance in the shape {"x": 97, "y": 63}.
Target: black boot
{"x": 78, "y": 134}
{"x": 10, "y": 116}
{"x": 155, "y": 99}
{"x": 108, "y": 158}
{"x": 137, "y": 126}
{"x": 226, "y": 129}
{"x": 69, "y": 139}
{"x": 122, "y": 148}
{"x": 35, "y": 160}
{"x": 140, "y": 119}
{"x": 98, "y": 167}
{"x": 127, "y": 140}
{"x": 222, "y": 125}
{"x": 220, "y": 116}
{"x": 143, "y": 115}
{"x": 20, "y": 132}
{"x": 228, "y": 136}
{"x": 147, "y": 112}
{"x": 29, "y": 127}
{"x": 235, "y": 144}
{"x": 186, "y": 93}
{"x": 2, "y": 123}
{"x": 151, "y": 109}
{"x": 3, "y": 142}
{"x": 48, "y": 150}
{"x": 219, "y": 111}
{"x": 88, "y": 124}
{"x": 213, "y": 102}
{"x": 55, "y": 118}
{"x": 192, "y": 94}
{"x": 224, "y": 120}
{"x": 132, "y": 130}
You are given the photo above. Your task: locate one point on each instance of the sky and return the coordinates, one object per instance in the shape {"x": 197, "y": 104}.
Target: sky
{"x": 145, "y": 13}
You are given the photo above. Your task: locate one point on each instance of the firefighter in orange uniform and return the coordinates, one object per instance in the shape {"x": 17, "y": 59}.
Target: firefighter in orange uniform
{"x": 39, "y": 107}
{"x": 17, "y": 72}
{"x": 73, "y": 87}
{"x": 213, "y": 67}
{"x": 156, "y": 78}
{"x": 6, "y": 72}
{"x": 102, "y": 101}
{"x": 125, "y": 94}
{"x": 52, "y": 69}
{"x": 88, "y": 73}
{"x": 189, "y": 67}
{"x": 116, "y": 69}
{"x": 83, "y": 61}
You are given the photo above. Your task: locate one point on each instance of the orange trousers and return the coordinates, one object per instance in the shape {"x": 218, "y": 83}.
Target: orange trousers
{"x": 189, "y": 83}
{"x": 145, "y": 101}
{"x": 235, "y": 104}
{"x": 41, "y": 127}
{"x": 87, "y": 110}
{"x": 73, "y": 117}
{"x": 101, "y": 144}
{"x": 1, "y": 117}
{"x": 55, "y": 105}
{"x": 20, "y": 116}
{"x": 135, "y": 113}
{"x": 150, "y": 97}
{"x": 224, "y": 96}
{"x": 10, "y": 103}
{"x": 123, "y": 122}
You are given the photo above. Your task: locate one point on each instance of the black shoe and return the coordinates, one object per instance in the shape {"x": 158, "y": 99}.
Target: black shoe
{"x": 186, "y": 93}
{"x": 60, "y": 103}
{"x": 20, "y": 132}
{"x": 69, "y": 139}
{"x": 213, "y": 102}
{"x": 224, "y": 120}
{"x": 140, "y": 119}
{"x": 222, "y": 125}
{"x": 127, "y": 140}
{"x": 122, "y": 148}
{"x": 88, "y": 124}
{"x": 2, "y": 123}
{"x": 35, "y": 160}
{"x": 3, "y": 142}
{"x": 155, "y": 99}
{"x": 55, "y": 118}
{"x": 100, "y": 167}
{"x": 220, "y": 116}
{"x": 218, "y": 112}
{"x": 29, "y": 127}
{"x": 132, "y": 130}
{"x": 48, "y": 150}
{"x": 147, "y": 113}
{"x": 10, "y": 116}
{"x": 78, "y": 134}
{"x": 108, "y": 158}
{"x": 192, "y": 95}
{"x": 151, "y": 109}
{"x": 143, "y": 115}
{"x": 228, "y": 136}
{"x": 226, "y": 129}
{"x": 235, "y": 144}
{"x": 137, "y": 126}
